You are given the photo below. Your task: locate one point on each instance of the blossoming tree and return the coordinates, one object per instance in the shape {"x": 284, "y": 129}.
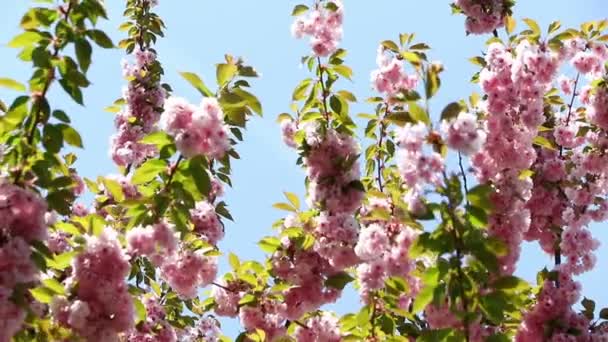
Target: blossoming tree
{"x": 431, "y": 247}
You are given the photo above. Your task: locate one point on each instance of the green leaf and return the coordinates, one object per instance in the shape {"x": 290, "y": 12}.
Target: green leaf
{"x": 114, "y": 188}
{"x": 100, "y": 38}
{"x": 52, "y": 138}
{"x": 604, "y": 313}
{"x": 418, "y": 113}
{"x": 347, "y": 95}
{"x": 479, "y": 196}
{"x": 140, "y": 311}
{"x": 198, "y": 171}
{"x": 451, "y": 111}
{"x": 61, "y": 116}
{"x": 554, "y": 27}
{"x": 148, "y": 171}
{"x": 299, "y": 9}
{"x": 293, "y": 199}
{"x": 391, "y": 45}
{"x": 478, "y": 60}
{"x": 269, "y": 244}
{"x": 411, "y": 57}
{"x": 159, "y": 139}
{"x": 83, "y": 53}
{"x": 432, "y": 83}
{"x": 233, "y": 259}
{"x": 24, "y": 39}
{"x": 510, "y": 24}
{"x": 54, "y": 285}
{"x": 12, "y": 84}
{"x": 225, "y": 73}
{"x": 252, "y": 100}
{"x": 197, "y": 83}
{"x": 339, "y": 280}
{"x": 399, "y": 118}
{"x": 344, "y": 70}
{"x": 544, "y": 142}
{"x": 299, "y": 92}
{"x": 42, "y": 294}
{"x": 61, "y": 261}
{"x": 72, "y": 90}
{"x": 70, "y": 135}
{"x": 533, "y": 26}
{"x": 510, "y": 283}
{"x": 284, "y": 206}
{"x": 589, "y": 307}
{"x": 424, "y": 298}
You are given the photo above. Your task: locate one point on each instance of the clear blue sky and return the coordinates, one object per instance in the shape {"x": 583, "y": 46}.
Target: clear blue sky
{"x": 199, "y": 32}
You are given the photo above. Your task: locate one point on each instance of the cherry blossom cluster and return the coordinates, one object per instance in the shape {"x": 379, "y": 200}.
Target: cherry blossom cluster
{"x": 101, "y": 308}
{"x": 332, "y": 172}
{"x": 417, "y": 165}
{"x": 324, "y": 327}
{"x": 144, "y": 98}
{"x": 515, "y": 81}
{"x": 553, "y": 308}
{"x": 383, "y": 248}
{"x": 22, "y": 222}
{"x": 156, "y": 242}
{"x": 389, "y": 259}
{"x": 307, "y": 269}
{"x": 198, "y": 130}
{"x": 332, "y": 169}
{"x": 390, "y": 78}
{"x": 463, "y": 134}
{"x": 324, "y": 26}
{"x": 206, "y": 329}
{"x": 483, "y": 16}
{"x": 569, "y": 190}
{"x": 186, "y": 271}
{"x": 155, "y": 327}
{"x": 442, "y": 317}
{"x": 206, "y": 222}
{"x": 267, "y": 314}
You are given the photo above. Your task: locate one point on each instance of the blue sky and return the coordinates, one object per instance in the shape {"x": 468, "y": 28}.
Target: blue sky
{"x": 198, "y": 34}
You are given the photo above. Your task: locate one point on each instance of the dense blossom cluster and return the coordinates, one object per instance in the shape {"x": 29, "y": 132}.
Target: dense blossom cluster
{"x": 463, "y": 134}
{"x": 206, "y": 329}
{"x": 554, "y": 308}
{"x": 156, "y": 242}
{"x": 384, "y": 249}
{"x": 567, "y": 190}
{"x": 332, "y": 172}
{"x": 22, "y": 222}
{"x": 197, "y": 130}
{"x": 144, "y": 98}
{"x": 483, "y": 16}
{"x": 206, "y": 222}
{"x": 155, "y": 327}
{"x": 390, "y": 78}
{"x": 307, "y": 269}
{"x": 101, "y": 307}
{"x": 322, "y": 328}
{"x": 418, "y": 166}
{"x": 515, "y": 82}
{"x": 324, "y": 26}
{"x": 183, "y": 269}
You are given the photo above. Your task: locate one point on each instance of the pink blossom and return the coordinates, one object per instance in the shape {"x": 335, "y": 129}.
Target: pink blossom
{"x": 187, "y": 271}
{"x": 463, "y": 134}
{"x": 323, "y": 25}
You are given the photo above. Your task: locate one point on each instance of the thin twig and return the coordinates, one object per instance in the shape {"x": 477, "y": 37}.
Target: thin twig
{"x": 464, "y": 178}
{"x": 326, "y": 111}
